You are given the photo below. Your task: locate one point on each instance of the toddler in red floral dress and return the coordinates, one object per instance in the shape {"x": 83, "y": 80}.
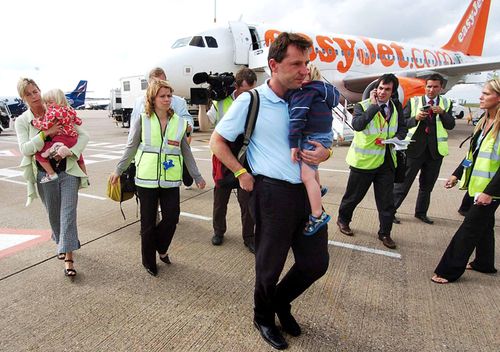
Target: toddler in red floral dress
{"x": 58, "y": 111}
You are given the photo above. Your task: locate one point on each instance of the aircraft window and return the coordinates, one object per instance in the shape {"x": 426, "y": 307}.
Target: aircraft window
{"x": 373, "y": 56}
{"x": 118, "y": 100}
{"x": 144, "y": 84}
{"x": 330, "y": 51}
{"x": 126, "y": 86}
{"x": 336, "y": 52}
{"x": 211, "y": 42}
{"x": 197, "y": 41}
{"x": 181, "y": 42}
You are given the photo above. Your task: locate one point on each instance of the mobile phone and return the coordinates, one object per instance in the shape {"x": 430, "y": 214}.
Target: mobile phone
{"x": 425, "y": 108}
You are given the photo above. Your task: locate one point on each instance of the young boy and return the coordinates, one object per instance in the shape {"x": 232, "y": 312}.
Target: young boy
{"x": 58, "y": 111}
{"x": 311, "y": 119}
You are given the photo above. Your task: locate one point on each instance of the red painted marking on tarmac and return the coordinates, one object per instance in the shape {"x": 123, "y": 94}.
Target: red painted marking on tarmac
{"x": 42, "y": 236}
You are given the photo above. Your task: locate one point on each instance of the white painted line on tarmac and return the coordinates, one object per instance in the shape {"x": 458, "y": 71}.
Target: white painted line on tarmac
{"x": 79, "y": 193}
{"x": 8, "y": 240}
{"x": 334, "y": 170}
{"x": 105, "y": 156}
{"x": 202, "y": 159}
{"x": 200, "y": 217}
{"x": 365, "y": 249}
{"x": 10, "y": 173}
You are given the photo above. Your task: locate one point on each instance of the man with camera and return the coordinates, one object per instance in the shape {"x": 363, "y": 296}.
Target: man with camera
{"x": 245, "y": 80}
{"x": 371, "y": 161}
{"x": 427, "y": 118}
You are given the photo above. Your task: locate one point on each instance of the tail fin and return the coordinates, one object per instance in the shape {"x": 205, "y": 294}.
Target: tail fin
{"x": 77, "y": 97}
{"x": 469, "y": 34}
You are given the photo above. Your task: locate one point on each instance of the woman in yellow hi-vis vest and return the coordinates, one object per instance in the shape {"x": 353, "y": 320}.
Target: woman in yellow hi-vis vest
{"x": 478, "y": 174}
{"x": 158, "y": 143}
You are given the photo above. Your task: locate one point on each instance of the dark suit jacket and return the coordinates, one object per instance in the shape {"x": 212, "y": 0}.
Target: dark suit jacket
{"x": 422, "y": 139}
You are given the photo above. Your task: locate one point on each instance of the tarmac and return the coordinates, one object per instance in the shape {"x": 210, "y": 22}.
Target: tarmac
{"x": 370, "y": 299}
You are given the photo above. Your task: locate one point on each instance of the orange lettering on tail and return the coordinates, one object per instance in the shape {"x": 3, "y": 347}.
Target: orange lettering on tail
{"x": 469, "y": 34}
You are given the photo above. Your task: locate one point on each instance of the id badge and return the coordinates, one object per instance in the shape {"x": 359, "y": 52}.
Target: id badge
{"x": 467, "y": 163}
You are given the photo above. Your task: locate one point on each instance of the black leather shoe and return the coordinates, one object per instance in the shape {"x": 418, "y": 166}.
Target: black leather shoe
{"x": 387, "y": 241}
{"x": 271, "y": 335}
{"x": 250, "y": 246}
{"x": 217, "y": 240}
{"x": 396, "y": 220}
{"x": 345, "y": 229}
{"x": 289, "y": 324}
{"x": 425, "y": 219}
{"x": 165, "y": 259}
{"x": 152, "y": 271}
{"x": 462, "y": 212}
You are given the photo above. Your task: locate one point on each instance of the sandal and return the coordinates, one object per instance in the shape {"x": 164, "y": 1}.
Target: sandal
{"x": 439, "y": 280}
{"x": 61, "y": 256}
{"x": 69, "y": 272}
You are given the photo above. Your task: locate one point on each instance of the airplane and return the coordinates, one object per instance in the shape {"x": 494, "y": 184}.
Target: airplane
{"x": 76, "y": 98}
{"x": 351, "y": 63}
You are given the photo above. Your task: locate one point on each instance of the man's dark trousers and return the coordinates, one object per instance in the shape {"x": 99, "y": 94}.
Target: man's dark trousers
{"x": 221, "y": 199}
{"x": 429, "y": 173}
{"x": 280, "y": 210}
{"x": 357, "y": 187}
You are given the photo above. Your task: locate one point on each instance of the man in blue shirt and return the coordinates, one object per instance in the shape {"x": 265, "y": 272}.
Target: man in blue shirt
{"x": 279, "y": 203}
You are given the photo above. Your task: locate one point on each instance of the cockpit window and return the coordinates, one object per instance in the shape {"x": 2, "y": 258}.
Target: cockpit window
{"x": 181, "y": 42}
{"x": 197, "y": 41}
{"x": 211, "y": 42}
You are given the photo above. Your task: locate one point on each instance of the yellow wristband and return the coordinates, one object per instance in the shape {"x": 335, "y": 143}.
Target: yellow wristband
{"x": 42, "y": 135}
{"x": 330, "y": 150}
{"x": 240, "y": 172}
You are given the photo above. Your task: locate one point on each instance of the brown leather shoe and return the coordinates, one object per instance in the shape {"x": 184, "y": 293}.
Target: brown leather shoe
{"x": 345, "y": 229}
{"x": 387, "y": 241}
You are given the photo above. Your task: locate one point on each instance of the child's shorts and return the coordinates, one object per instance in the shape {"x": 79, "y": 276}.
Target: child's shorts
{"x": 326, "y": 140}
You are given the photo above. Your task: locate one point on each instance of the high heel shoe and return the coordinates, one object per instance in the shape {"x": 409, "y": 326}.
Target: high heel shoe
{"x": 165, "y": 259}
{"x": 69, "y": 272}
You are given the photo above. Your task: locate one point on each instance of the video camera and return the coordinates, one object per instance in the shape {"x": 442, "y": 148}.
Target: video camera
{"x": 220, "y": 87}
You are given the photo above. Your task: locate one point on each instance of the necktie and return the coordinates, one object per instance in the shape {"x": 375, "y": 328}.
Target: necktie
{"x": 382, "y": 110}
{"x": 431, "y": 115}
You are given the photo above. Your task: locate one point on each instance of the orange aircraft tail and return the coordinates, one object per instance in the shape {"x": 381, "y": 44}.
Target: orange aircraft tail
{"x": 468, "y": 37}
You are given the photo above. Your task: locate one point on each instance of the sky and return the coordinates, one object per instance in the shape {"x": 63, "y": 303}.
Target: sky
{"x": 60, "y": 42}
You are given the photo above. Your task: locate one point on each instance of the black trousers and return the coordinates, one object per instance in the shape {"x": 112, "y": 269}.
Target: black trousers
{"x": 186, "y": 176}
{"x": 280, "y": 211}
{"x": 429, "y": 173}
{"x": 477, "y": 231}
{"x": 157, "y": 237}
{"x": 357, "y": 187}
{"x": 221, "y": 199}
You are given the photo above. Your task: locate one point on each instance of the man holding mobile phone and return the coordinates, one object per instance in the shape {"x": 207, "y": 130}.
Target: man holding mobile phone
{"x": 427, "y": 118}
{"x": 371, "y": 161}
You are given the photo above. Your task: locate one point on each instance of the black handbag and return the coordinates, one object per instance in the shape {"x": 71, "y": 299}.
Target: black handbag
{"x": 399, "y": 176}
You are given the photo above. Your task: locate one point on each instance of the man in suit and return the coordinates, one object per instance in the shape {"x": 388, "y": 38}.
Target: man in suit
{"x": 371, "y": 161}
{"x": 427, "y": 118}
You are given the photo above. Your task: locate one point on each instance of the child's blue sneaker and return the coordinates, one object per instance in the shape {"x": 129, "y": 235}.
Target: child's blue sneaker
{"x": 315, "y": 223}
{"x": 324, "y": 190}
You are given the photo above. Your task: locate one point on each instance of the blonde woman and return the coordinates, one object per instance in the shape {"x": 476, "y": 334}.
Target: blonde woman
{"x": 60, "y": 197}
{"x": 158, "y": 143}
{"x": 478, "y": 174}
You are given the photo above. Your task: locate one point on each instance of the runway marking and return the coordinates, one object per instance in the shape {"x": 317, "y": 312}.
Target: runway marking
{"x": 14, "y": 240}
{"x": 365, "y": 249}
{"x": 10, "y": 173}
{"x": 79, "y": 193}
{"x": 104, "y": 156}
{"x": 194, "y": 216}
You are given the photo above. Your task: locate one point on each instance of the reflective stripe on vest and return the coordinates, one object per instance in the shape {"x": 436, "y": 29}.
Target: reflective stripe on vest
{"x": 364, "y": 153}
{"x": 485, "y": 166}
{"x": 222, "y": 107}
{"x": 441, "y": 133}
{"x": 156, "y": 149}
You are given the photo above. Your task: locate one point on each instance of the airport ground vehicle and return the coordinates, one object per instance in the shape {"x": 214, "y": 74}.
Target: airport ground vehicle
{"x": 6, "y": 118}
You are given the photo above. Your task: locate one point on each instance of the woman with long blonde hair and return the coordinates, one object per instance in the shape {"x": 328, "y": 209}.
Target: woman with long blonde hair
{"x": 478, "y": 174}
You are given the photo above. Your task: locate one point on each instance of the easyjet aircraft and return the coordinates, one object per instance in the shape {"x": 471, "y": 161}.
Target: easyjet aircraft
{"x": 351, "y": 63}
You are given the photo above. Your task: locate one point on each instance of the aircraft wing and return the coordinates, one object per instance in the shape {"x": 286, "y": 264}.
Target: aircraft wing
{"x": 359, "y": 83}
